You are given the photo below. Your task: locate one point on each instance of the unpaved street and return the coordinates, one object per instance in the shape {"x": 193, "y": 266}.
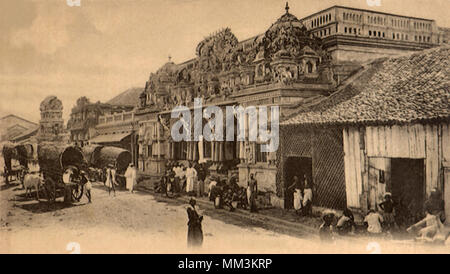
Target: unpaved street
{"x": 138, "y": 223}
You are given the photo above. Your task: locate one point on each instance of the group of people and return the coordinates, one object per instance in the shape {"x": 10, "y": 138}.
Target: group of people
{"x": 180, "y": 179}
{"x": 377, "y": 223}
{"x": 302, "y": 195}
{"x": 111, "y": 176}
{"x": 194, "y": 180}
{"x": 229, "y": 195}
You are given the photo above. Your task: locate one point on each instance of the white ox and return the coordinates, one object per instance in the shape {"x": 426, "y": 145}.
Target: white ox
{"x": 31, "y": 181}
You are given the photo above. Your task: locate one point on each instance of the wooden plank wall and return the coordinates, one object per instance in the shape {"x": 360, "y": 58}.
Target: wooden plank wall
{"x": 446, "y": 143}
{"x": 352, "y": 162}
{"x": 376, "y": 189}
{"x": 396, "y": 141}
{"x": 432, "y": 137}
{"x": 428, "y": 142}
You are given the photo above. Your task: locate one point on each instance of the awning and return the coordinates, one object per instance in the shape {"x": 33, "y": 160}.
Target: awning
{"x": 110, "y": 138}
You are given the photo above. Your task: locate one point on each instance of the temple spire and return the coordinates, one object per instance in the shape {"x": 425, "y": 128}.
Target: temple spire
{"x": 287, "y": 7}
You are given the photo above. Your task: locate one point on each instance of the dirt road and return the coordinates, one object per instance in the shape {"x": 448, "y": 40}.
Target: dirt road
{"x": 138, "y": 223}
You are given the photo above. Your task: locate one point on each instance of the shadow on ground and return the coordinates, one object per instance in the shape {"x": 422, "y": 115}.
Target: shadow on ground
{"x": 44, "y": 207}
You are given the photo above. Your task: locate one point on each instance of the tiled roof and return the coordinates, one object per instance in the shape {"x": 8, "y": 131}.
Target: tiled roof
{"x": 129, "y": 97}
{"x": 409, "y": 88}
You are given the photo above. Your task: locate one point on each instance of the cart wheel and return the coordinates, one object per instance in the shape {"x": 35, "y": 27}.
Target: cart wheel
{"x": 77, "y": 192}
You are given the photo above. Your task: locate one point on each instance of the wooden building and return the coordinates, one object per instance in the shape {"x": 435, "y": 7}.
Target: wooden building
{"x": 385, "y": 129}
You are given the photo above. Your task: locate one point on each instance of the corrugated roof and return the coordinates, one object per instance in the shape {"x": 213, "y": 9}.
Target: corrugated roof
{"x": 401, "y": 89}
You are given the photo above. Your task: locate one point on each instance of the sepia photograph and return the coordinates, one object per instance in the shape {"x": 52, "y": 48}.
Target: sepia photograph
{"x": 225, "y": 127}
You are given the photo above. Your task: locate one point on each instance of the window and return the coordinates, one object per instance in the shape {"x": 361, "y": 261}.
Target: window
{"x": 370, "y": 33}
{"x": 345, "y": 29}
{"x": 383, "y": 35}
{"x": 180, "y": 150}
{"x": 149, "y": 151}
{"x": 349, "y": 30}
{"x": 379, "y": 34}
{"x": 309, "y": 67}
{"x": 207, "y": 149}
{"x": 261, "y": 157}
{"x": 354, "y": 30}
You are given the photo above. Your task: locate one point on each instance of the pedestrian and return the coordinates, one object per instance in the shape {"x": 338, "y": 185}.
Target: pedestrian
{"x": 195, "y": 233}
{"x": 326, "y": 229}
{"x": 110, "y": 179}
{"x": 388, "y": 211}
{"x": 86, "y": 183}
{"x": 307, "y": 198}
{"x": 296, "y": 190}
{"x": 191, "y": 175}
{"x": 201, "y": 180}
{"x": 182, "y": 175}
{"x": 373, "y": 221}
{"x": 252, "y": 192}
{"x": 346, "y": 224}
{"x": 130, "y": 175}
{"x": 210, "y": 182}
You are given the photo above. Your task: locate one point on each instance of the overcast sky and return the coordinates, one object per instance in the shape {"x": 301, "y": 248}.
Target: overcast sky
{"x": 106, "y": 46}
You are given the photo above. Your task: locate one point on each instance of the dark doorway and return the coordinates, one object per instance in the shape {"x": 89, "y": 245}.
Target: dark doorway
{"x": 407, "y": 184}
{"x": 295, "y": 166}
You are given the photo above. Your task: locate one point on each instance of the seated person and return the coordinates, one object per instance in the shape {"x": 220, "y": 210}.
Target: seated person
{"x": 346, "y": 224}
{"x": 326, "y": 229}
{"x": 431, "y": 228}
{"x": 228, "y": 199}
{"x": 373, "y": 220}
{"x": 215, "y": 191}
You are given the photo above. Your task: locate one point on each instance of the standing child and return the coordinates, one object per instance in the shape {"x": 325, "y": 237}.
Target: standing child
{"x": 388, "y": 211}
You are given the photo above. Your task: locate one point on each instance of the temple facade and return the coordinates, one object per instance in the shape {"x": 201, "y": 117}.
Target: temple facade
{"x": 295, "y": 63}
{"x": 286, "y": 67}
{"x": 51, "y": 125}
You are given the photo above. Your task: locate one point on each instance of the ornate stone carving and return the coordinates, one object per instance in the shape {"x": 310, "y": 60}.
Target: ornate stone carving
{"x": 285, "y": 53}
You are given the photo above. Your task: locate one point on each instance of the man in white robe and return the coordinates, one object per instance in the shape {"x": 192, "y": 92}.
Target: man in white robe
{"x": 191, "y": 174}
{"x": 130, "y": 175}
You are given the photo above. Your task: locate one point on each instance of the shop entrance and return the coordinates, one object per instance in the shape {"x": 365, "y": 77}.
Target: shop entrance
{"x": 295, "y": 166}
{"x": 408, "y": 184}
